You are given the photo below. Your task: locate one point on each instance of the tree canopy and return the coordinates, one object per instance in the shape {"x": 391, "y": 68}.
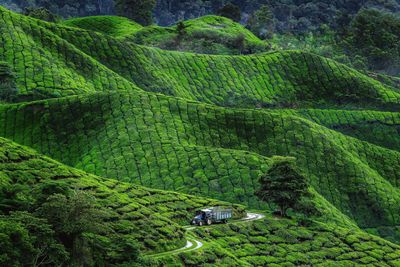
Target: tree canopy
{"x": 283, "y": 185}
{"x": 230, "y": 11}
{"x": 137, "y": 10}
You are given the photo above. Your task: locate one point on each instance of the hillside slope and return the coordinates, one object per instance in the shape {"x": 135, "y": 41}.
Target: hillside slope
{"x": 118, "y": 27}
{"x": 60, "y": 61}
{"x": 151, "y": 217}
{"x": 272, "y": 242}
{"x": 173, "y": 144}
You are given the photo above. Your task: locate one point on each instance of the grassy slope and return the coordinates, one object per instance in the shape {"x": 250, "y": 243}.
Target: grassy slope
{"x": 380, "y": 128}
{"x": 150, "y": 216}
{"x": 48, "y": 66}
{"x": 171, "y": 143}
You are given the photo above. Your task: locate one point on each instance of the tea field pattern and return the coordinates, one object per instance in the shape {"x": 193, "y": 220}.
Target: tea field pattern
{"x": 206, "y": 125}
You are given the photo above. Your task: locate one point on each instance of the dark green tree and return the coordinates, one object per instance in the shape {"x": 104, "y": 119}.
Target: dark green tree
{"x": 283, "y": 185}
{"x": 41, "y": 13}
{"x": 261, "y": 22}
{"x": 137, "y": 10}
{"x": 375, "y": 35}
{"x": 230, "y": 11}
{"x": 239, "y": 43}
{"x": 8, "y": 87}
{"x": 29, "y": 241}
{"x": 74, "y": 218}
{"x": 181, "y": 30}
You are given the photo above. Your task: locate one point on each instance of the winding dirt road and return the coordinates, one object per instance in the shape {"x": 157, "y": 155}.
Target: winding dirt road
{"x": 193, "y": 244}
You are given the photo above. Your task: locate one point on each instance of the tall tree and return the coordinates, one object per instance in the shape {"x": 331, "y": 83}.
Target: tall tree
{"x": 29, "y": 241}
{"x": 283, "y": 185}
{"x": 230, "y": 11}
{"x": 73, "y": 218}
{"x": 261, "y": 22}
{"x": 137, "y": 10}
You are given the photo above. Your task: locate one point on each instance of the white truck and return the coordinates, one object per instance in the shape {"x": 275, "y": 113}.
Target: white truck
{"x": 212, "y": 215}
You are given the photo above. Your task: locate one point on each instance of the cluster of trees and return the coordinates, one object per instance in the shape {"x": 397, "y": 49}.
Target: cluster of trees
{"x": 373, "y": 41}
{"x": 55, "y": 226}
{"x": 64, "y": 8}
{"x": 296, "y": 16}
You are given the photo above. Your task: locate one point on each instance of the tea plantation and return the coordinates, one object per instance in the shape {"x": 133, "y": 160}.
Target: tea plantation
{"x": 78, "y": 61}
{"x": 83, "y": 93}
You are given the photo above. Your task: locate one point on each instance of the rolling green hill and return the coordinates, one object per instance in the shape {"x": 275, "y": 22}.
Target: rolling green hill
{"x": 173, "y": 144}
{"x": 208, "y": 126}
{"x": 206, "y": 35}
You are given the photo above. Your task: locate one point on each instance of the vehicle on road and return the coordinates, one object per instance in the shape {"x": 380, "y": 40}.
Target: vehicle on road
{"x": 212, "y": 215}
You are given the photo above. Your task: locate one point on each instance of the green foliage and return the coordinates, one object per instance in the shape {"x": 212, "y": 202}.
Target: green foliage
{"x": 283, "y": 242}
{"x": 374, "y": 35}
{"x": 181, "y": 29}
{"x": 41, "y": 13}
{"x": 148, "y": 117}
{"x": 29, "y": 240}
{"x": 73, "y": 218}
{"x": 137, "y": 10}
{"x": 207, "y": 35}
{"x": 283, "y": 185}
{"x": 8, "y": 89}
{"x": 261, "y": 22}
{"x": 230, "y": 11}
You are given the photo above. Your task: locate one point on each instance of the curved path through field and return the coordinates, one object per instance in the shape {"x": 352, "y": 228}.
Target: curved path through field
{"x": 193, "y": 244}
